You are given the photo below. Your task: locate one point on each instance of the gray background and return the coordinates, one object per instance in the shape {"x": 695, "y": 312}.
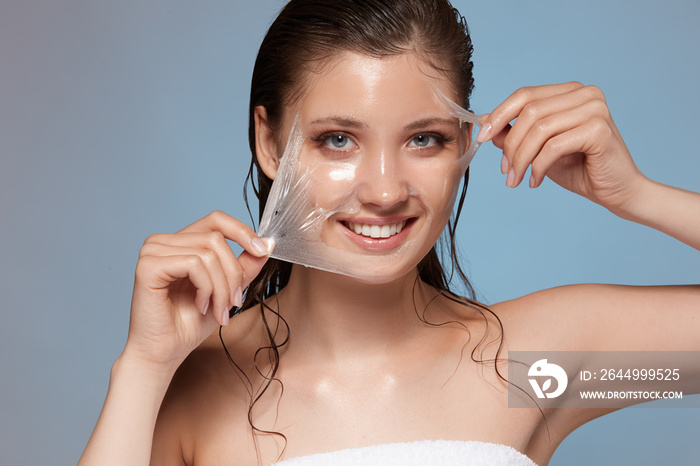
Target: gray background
{"x": 121, "y": 119}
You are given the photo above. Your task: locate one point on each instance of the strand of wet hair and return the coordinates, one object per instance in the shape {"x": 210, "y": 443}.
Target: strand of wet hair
{"x": 480, "y": 308}
{"x": 269, "y": 377}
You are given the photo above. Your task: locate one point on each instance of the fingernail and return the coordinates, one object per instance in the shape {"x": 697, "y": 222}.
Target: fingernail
{"x": 238, "y": 297}
{"x": 511, "y": 178}
{"x": 504, "y": 164}
{"x": 224, "y": 318}
{"x": 204, "y": 308}
{"x": 269, "y": 244}
{"x": 259, "y": 247}
{"x": 532, "y": 181}
{"x": 484, "y": 133}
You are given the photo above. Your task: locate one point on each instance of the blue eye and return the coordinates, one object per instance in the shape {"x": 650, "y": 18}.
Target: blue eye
{"x": 424, "y": 140}
{"x": 339, "y": 141}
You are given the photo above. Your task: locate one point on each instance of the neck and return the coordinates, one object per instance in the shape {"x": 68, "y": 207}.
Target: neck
{"x": 341, "y": 318}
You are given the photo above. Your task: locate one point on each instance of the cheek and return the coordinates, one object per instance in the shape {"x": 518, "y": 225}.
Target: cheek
{"x": 329, "y": 183}
{"x": 439, "y": 188}
{"x": 331, "y": 187}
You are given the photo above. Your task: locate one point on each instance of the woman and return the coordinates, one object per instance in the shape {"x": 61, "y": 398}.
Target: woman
{"x": 345, "y": 362}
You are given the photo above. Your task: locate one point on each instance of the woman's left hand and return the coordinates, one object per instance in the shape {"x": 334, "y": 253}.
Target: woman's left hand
{"x": 564, "y": 131}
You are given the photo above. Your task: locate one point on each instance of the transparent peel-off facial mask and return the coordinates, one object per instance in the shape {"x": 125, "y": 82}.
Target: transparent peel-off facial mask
{"x": 464, "y": 116}
{"x": 369, "y": 214}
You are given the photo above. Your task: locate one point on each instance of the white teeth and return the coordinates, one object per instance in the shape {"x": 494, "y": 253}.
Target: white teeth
{"x": 376, "y": 231}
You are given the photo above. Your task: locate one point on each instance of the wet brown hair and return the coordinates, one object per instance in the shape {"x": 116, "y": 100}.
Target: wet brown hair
{"x": 304, "y": 36}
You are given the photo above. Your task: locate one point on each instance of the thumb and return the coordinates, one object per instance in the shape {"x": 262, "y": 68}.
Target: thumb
{"x": 252, "y": 265}
{"x": 500, "y": 139}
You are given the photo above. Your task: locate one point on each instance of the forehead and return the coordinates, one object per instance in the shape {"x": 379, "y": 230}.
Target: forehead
{"x": 374, "y": 89}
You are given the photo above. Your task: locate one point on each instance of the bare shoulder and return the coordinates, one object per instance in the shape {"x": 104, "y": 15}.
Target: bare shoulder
{"x": 208, "y": 394}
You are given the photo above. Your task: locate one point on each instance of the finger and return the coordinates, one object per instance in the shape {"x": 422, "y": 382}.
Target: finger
{"x": 547, "y": 128}
{"x": 533, "y": 143}
{"x": 213, "y": 241}
{"x": 575, "y": 142}
{"x": 232, "y": 229}
{"x": 498, "y": 141}
{"x": 221, "y": 295}
{"x": 533, "y": 113}
{"x": 252, "y": 265}
{"x": 158, "y": 272}
{"x": 512, "y": 106}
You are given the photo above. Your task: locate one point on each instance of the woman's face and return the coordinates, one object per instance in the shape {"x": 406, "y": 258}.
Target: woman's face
{"x": 384, "y": 158}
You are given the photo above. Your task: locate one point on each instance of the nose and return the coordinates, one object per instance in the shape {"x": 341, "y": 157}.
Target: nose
{"x": 382, "y": 182}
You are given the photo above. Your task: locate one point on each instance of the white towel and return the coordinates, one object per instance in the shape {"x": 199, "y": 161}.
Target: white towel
{"x": 424, "y": 452}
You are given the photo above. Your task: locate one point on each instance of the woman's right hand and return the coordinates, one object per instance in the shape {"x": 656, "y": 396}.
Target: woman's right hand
{"x": 186, "y": 283}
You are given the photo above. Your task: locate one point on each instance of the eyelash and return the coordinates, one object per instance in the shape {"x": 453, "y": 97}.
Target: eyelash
{"x": 440, "y": 140}
{"x": 323, "y": 141}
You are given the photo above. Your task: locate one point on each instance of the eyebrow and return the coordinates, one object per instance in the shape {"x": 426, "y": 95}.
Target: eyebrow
{"x": 419, "y": 124}
{"x": 353, "y": 123}
{"x": 340, "y": 121}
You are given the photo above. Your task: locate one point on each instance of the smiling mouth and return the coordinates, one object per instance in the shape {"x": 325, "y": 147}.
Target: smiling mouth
{"x": 376, "y": 231}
